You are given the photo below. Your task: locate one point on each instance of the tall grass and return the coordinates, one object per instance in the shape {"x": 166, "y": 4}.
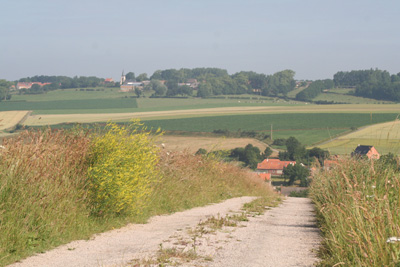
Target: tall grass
{"x": 46, "y": 196}
{"x": 188, "y": 181}
{"x": 358, "y": 206}
{"x": 42, "y": 190}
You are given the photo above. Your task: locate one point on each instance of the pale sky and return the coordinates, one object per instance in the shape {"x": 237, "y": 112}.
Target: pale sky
{"x": 315, "y": 38}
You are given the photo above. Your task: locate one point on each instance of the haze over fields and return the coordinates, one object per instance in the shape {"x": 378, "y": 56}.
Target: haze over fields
{"x": 100, "y": 38}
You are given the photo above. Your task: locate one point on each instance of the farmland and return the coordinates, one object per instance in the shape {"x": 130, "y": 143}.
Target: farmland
{"x": 192, "y": 144}
{"x": 308, "y": 128}
{"x": 9, "y": 119}
{"x": 385, "y": 137}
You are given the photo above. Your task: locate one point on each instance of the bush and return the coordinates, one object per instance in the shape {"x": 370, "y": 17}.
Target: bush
{"x": 122, "y": 169}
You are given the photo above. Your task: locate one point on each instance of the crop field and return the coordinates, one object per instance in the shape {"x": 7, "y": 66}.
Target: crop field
{"x": 385, "y": 137}
{"x": 71, "y": 105}
{"x": 10, "y": 119}
{"x": 192, "y": 144}
{"x": 350, "y": 99}
{"x": 308, "y": 128}
{"x": 73, "y": 94}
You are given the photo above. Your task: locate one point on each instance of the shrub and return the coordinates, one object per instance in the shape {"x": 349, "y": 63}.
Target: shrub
{"x": 122, "y": 169}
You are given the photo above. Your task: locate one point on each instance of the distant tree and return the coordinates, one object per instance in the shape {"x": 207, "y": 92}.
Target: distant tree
{"x": 138, "y": 92}
{"x": 296, "y": 172}
{"x": 267, "y": 152}
{"x": 250, "y": 155}
{"x": 319, "y": 154}
{"x": 204, "y": 90}
{"x": 142, "y": 77}
{"x": 4, "y": 89}
{"x": 130, "y": 76}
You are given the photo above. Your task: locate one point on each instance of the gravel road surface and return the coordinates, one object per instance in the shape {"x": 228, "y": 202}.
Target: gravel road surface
{"x": 283, "y": 236}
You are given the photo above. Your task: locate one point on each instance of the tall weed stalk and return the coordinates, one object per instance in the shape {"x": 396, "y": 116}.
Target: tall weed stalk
{"x": 358, "y": 205}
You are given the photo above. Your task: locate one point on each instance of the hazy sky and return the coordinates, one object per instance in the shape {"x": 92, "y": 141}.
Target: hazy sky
{"x": 315, "y": 38}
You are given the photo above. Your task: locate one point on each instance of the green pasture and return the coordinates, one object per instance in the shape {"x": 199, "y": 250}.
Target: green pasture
{"x": 309, "y": 128}
{"x": 73, "y": 94}
{"x": 350, "y": 99}
{"x": 70, "y": 105}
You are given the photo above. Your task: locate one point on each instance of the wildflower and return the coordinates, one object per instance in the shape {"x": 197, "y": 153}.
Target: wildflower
{"x": 370, "y": 196}
{"x": 373, "y": 186}
{"x": 393, "y": 239}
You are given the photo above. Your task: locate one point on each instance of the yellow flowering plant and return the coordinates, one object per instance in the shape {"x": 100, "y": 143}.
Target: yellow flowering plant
{"x": 122, "y": 169}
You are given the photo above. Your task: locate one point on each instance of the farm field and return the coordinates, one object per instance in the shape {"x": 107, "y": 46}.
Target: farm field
{"x": 385, "y": 137}
{"x": 9, "y": 119}
{"x": 51, "y": 119}
{"x": 307, "y": 128}
{"x": 350, "y": 99}
{"x": 71, "y": 105}
{"x": 192, "y": 144}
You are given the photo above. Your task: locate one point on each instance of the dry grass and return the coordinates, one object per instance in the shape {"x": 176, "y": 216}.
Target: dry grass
{"x": 9, "y": 119}
{"x": 359, "y": 213}
{"x": 384, "y": 137}
{"x": 192, "y": 144}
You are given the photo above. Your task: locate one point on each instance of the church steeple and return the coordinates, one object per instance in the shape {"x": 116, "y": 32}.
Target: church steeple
{"x": 123, "y": 78}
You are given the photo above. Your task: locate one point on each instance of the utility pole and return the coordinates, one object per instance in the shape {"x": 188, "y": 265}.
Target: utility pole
{"x": 272, "y": 139}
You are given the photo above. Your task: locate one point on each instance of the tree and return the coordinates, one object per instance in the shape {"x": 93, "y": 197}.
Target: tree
{"x": 130, "y": 76}
{"x": 250, "y": 155}
{"x": 296, "y": 172}
{"x": 142, "y": 77}
{"x": 138, "y": 92}
{"x": 4, "y": 89}
{"x": 319, "y": 154}
{"x": 267, "y": 152}
{"x": 296, "y": 151}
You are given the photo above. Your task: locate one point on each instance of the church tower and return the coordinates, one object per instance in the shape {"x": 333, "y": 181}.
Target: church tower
{"x": 123, "y": 78}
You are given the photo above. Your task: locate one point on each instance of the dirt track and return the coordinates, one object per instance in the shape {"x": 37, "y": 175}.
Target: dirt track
{"x": 283, "y": 236}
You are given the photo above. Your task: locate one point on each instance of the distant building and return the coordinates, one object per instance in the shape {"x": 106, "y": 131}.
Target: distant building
{"x": 28, "y": 85}
{"x": 366, "y": 151}
{"x": 273, "y": 166}
{"x": 109, "y": 80}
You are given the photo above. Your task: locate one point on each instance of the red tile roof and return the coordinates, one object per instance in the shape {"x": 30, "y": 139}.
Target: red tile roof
{"x": 265, "y": 176}
{"x": 273, "y": 164}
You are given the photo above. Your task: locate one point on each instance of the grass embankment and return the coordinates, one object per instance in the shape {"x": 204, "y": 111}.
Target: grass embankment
{"x": 52, "y": 189}
{"x": 358, "y": 206}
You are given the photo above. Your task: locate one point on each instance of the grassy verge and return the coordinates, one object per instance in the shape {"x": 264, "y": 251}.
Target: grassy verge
{"x": 358, "y": 207}
{"x": 45, "y": 199}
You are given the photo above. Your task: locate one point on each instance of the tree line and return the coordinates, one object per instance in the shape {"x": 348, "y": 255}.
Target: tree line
{"x": 215, "y": 81}
{"x": 372, "y": 83}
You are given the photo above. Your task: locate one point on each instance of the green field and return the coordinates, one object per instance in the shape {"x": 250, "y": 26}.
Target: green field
{"x": 350, "y": 99}
{"x": 83, "y": 104}
{"x": 309, "y": 128}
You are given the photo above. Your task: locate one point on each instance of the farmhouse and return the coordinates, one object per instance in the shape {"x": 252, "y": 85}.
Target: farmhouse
{"x": 28, "y": 85}
{"x": 365, "y": 151}
{"x": 273, "y": 166}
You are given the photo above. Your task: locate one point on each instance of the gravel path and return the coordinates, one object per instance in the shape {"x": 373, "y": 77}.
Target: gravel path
{"x": 283, "y": 236}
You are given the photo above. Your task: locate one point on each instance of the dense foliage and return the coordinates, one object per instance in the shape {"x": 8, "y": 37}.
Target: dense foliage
{"x": 371, "y": 83}
{"x": 314, "y": 89}
{"x": 296, "y": 151}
